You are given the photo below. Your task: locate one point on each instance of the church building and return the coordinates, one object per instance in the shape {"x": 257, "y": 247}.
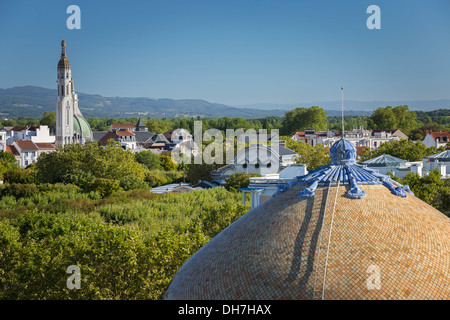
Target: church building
{"x": 71, "y": 126}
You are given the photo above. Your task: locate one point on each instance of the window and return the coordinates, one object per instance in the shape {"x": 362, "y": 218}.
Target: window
{"x": 68, "y": 114}
{"x": 269, "y": 165}
{"x": 244, "y": 165}
{"x": 26, "y": 163}
{"x": 257, "y": 165}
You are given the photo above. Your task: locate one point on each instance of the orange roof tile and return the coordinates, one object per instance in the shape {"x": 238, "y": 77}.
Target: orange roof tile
{"x": 12, "y": 149}
{"x": 123, "y": 133}
{"x": 26, "y": 145}
{"x": 123, "y": 126}
{"x": 436, "y": 135}
{"x": 43, "y": 145}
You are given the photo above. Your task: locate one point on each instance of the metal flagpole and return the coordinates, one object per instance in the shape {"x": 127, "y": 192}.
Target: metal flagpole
{"x": 342, "y": 97}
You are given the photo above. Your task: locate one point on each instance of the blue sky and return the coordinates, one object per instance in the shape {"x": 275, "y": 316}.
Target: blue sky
{"x": 233, "y": 52}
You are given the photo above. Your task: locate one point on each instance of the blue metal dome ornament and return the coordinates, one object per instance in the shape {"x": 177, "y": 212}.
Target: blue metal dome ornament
{"x": 343, "y": 152}
{"x": 344, "y": 170}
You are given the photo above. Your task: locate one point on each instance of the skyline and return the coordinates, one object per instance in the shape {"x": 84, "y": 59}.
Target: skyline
{"x": 234, "y": 52}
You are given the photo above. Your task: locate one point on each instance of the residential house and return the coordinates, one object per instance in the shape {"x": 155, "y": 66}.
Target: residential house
{"x": 15, "y": 153}
{"x": 138, "y": 127}
{"x": 436, "y": 139}
{"x": 440, "y": 161}
{"x": 34, "y": 133}
{"x": 125, "y": 137}
{"x": 259, "y": 159}
{"x": 398, "y": 167}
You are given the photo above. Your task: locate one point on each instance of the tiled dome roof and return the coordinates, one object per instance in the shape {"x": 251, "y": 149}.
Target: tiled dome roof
{"x": 323, "y": 237}
{"x": 325, "y": 247}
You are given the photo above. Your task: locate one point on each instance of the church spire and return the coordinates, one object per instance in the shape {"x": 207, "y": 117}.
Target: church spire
{"x": 63, "y": 49}
{"x": 63, "y": 62}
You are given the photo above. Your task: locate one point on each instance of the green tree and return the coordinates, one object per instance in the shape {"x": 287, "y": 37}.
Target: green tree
{"x": 159, "y": 125}
{"x": 7, "y": 162}
{"x": 431, "y": 188}
{"x": 304, "y": 118}
{"x": 406, "y": 120}
{"x": 167, "y": 163}
{"x": 389, "y": 118}
{"x": 196, "y": 172}
{"x": 239, "y": 180}
{"x": 150, "y": 160}
{"x": 105, "y": 187}
{"x": 403, "y": 149}
{"x": 49, "y": 119}
{"x": 313, "y": 157}
{"x": 266, "y": 124}
{"x": 109, "y": 162}
{"x": 383, "y": 118}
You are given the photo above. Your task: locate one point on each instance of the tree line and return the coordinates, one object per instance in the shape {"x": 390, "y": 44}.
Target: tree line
{"x": 412, "y": 123}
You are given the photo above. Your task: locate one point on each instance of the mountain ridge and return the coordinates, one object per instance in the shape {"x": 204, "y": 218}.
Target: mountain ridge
{"x": 33, "y": 101}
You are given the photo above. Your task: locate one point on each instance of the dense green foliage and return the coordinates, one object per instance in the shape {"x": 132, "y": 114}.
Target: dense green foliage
{"x": 7, "y": 162}
{"x": 127, "y": 246}
{"x": 431, "y": 189}
{"x": 393, "y": 118}
{"x": 403, "y": 149}
{"x": 75, "y": 162}
{"x": 313, "y": 157}
{"x": 150, "y": 160}
{"x": 301, "y": 119}
{"x": 239, "y": 180}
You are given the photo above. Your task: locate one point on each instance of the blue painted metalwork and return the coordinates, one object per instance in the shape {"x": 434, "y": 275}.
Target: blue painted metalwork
{"x": 343, "y": 168}
{"x": 309, "y": 192}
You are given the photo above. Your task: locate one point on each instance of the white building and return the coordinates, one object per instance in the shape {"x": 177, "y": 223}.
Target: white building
{"x": 125, "y": 137}
{"x": 358, "y": 137}
{"x": 28, "y": 152}
{"x": 440, "y": 161}
{"x": 37, "y": 134}
{"x": 398, "y": 167}
{"x": 436, "y": 139}
{"x": 263, "y": 188}
{"x": 258, "y": 159}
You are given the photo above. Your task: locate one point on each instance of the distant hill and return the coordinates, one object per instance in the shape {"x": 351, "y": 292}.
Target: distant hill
{"x": 32, "y": 102}
{"x": 351, "y": 105}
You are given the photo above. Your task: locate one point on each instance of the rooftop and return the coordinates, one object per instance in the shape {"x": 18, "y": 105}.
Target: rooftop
{"x": 385, "y": 160}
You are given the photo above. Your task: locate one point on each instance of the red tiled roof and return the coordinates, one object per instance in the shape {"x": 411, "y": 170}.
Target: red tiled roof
{"x": 26, "y": 145}
{"x": 440, "y": 135}
{"x": 123, "y": 133}
{"x": 115, "y": 134}
{"x": 123, "y": 126}
{"x": 19, "y": 128}
{"x": 12, "y": 149}
{"x": 106, "y": 137}
{"x": 43, "y": 145}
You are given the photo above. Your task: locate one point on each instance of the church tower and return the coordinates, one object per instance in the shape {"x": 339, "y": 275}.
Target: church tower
{"x": 71, "y": 127}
